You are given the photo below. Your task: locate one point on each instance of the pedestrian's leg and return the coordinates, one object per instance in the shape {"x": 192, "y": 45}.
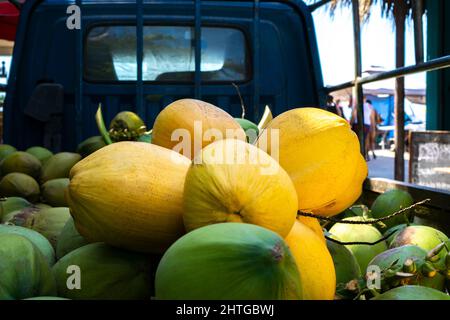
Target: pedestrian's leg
{"x": 374, "y": 139}
{"x": 367, "y": 147}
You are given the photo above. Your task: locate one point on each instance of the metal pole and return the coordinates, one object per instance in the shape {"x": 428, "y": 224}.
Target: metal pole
{"x": 256, "y": 46}
{"x": 198, "y": 50}
{"x": 399, "y": 98}
{"x": 317, "y": 5}
{"x": 79, "y": 75}
{"x": 140, "y": 57}
{"x": 435, "y": 64}
{"x": 417, "y": 10}
{"x": 358, "y": 92}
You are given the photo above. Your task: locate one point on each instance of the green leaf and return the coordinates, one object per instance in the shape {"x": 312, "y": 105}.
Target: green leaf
{"x": 101, "y": 125}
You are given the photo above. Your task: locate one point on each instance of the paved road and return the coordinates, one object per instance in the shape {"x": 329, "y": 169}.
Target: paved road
{"x": 383, "y": 165}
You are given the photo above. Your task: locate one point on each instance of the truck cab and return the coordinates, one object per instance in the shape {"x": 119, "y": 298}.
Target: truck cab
{"x": 142, "y": 55}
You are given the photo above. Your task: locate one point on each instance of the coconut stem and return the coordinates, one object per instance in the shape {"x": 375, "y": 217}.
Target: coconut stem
{"x": 428, "y": 270}
{"x": 101, "y": 125}
{"x": 409, "y": 266}
{"x": 447, "y": 261}
{"x": 433, "y": 254}
{"x": 240, "y": 98}
{"x": 368, "y": 221}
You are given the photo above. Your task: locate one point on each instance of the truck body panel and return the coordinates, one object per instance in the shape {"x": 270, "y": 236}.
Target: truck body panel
{"x": 45, "y": 52}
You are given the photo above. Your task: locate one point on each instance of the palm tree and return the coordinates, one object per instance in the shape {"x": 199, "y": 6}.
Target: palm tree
{"x": 399, "y": 10}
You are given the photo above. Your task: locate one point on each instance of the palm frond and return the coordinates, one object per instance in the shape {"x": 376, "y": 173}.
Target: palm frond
{"x": 389, "y": 8}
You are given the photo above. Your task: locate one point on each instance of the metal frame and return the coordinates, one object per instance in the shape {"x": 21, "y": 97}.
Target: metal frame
{"x": 256, "y": 45}
{"x": 198, "y": 49}
{"x": 358, "y": 82}
{"x": 358, "y": 95}
{"x": 139, "y": 57}
{"x": 79, "y": 75}
{"x": 434, "y": 64}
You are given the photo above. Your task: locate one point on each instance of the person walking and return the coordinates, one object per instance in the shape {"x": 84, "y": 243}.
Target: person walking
{"x": 369, "y": 127}
{"x": 372, "y": 128}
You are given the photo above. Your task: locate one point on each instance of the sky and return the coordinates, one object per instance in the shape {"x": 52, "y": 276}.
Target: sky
{"x": 335, "y": 41}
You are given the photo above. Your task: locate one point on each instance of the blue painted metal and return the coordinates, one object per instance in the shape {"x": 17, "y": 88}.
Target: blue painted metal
{"x": 256, "y": 54}
{"x": 79, "y": 76}
{"x": 288, "y": 71}
{"x": 198, "y": 49}
{"x": 139, "y": 57}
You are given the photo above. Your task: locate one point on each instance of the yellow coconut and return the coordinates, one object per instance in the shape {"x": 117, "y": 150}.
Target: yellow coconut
{"x": 233, "y": 181}
{"x": 321, "y": 154}
{"x": 314, "y": 225}
{"x": 129, "y": 195}
{"x": 348, "y": 195}
{"x": 314, "y": 262}
{"x": 188, "y": 125}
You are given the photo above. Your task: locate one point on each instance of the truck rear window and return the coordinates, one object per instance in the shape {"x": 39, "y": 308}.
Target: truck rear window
{"x": 169, "y": 54}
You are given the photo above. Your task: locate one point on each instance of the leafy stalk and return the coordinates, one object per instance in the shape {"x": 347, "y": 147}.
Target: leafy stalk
{"x": 101, "y": 125}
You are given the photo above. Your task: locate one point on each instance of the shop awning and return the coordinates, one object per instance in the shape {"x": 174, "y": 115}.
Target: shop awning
{"x": 9, "y": 19}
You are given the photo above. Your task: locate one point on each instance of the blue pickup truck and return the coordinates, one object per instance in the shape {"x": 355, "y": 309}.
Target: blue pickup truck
{"x": 71, "y": 56}
{"x": 141, "y": 56}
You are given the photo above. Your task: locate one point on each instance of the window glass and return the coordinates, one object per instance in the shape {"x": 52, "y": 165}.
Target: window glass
{"x": 169, "y": 54}
{"x": 111, "y": 54}
{"x": 5, "y": 62}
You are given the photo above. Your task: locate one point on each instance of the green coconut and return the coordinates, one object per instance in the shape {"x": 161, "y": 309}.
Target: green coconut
{"x": 22, "y": 162}
{"x": 24, "y": 271}
{"x": 106, "y": 273}
{"x": 231, "y": 261}
{"x": 19, "y": 185}
{"x": 390, "y": 202}
{"x": 90, "y": 145}
{"x": 59, "y": 165}
{"x": 36, "y": 238}
{"x": 412, "y": 293}
{"x": 359, "y": 210}
{"x": 41, "y": 205}
{"x": 48, "y": 222}
{"x": 345, "y": 263}
{"x": 52, "y": 192}
{"x": 146, "y": 137}
{"x": 394, "y": 231}
{"x": 41, "y": 153}
{"x": 23, "y": 212}
{"x": 5, "y": 150}
{"x": 69, "y": 239}
{"x": 126, "y": 126}
{"x": 11, "y": 204}
{"x": 422, "y": 236}
{"x": 395, "y": 258}
{"x": 360, "y": 233}
{"x": 251, "y": 129}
